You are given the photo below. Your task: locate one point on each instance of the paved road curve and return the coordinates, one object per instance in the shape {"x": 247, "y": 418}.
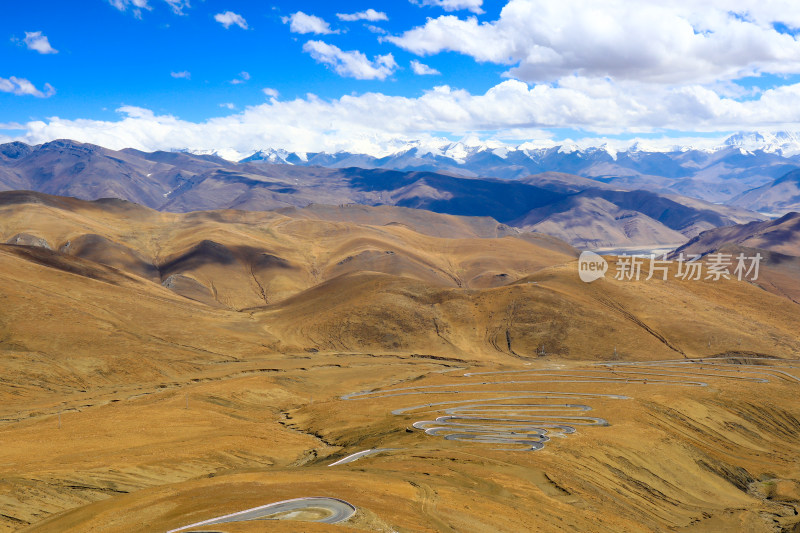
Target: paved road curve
{"x": 338, "y": 511}
{"x": 358, "y": 455}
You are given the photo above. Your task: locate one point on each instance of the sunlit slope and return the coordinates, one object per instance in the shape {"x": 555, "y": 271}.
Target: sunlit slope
{"x": 780, "y": 236}
{"x": 686, "y": 446}
{"x": 330, "y": 285}
{"x": 439, "y": 225}
{"x": 174, "y": 409}
{"x": 239, "y": 259}
{"x": 551, "y": 313}
{"x": 70, "y": 325}
{"x": 777, "y": 241}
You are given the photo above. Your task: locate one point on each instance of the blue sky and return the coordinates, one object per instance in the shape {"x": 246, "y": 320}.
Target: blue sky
{"x": 108, "y": 58}
{"x": 201, "y": 73}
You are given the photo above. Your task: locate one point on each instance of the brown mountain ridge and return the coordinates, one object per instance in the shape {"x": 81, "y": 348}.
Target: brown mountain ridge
{"x": 584, "y": 212}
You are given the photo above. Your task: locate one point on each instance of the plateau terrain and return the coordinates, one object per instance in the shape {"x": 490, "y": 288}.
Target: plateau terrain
{"x": 174, "y": 371}
{"x": 427, "y": 266}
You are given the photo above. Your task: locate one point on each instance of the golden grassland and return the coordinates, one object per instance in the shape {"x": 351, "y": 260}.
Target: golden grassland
{"x": 721, "y": 457}
{"x": 126, "y": 405}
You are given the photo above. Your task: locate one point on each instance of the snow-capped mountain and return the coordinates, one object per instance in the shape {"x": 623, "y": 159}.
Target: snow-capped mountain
{"x": 276, "y": 156}
{"x": 714, "y": 171}
{"x": 228, "y": 154}
{"x": 783, "y": 143}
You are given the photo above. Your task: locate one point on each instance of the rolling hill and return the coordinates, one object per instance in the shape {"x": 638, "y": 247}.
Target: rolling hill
{"x": 373, "y": 283}
{"x": 157, "y": 369}
{"x": 242, "y": 259}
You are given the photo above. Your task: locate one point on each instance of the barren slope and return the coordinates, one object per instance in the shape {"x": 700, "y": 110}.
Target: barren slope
{"x": 244, "y": 259}
{"x": 781, "y": 236}
{"x": 127, "y": 407}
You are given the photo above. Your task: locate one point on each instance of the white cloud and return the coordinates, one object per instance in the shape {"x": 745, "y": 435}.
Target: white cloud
{"x": 34, "y": 40}
{"x": 370, "y": 15}
{"x": 375, "y": 29}
{"x": 243, "y": 77}
{"x": 422, "y": 69}
{"x": 301, "y": 23}
{"x": 136, "y": 6}
{"x": 677, "y": 42}
{"x": 11, "y": 126}
{"x": 185, "y": 74}
{"x": 178, "y": 5}
{"x": 271, "y": 93}
{"x": 352, "y": 64}
{"x": 228, "y": 105}
{"x": 371, "y": 122}
{"x": 453, "y": 5}
{"x": 23, "y": 87}
{"x": 229, "y": 18}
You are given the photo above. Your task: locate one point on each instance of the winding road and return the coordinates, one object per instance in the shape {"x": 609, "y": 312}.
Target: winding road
{"x": 498, "y": 412}
{"x": 314, "y": 509}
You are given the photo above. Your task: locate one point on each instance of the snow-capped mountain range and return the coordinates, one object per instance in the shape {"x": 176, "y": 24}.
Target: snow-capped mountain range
{"x": 709, "y": 169}
{"x": 785, "y": 144}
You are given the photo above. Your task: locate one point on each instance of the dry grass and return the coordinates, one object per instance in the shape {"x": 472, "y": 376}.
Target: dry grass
{"x": 174, "y": 411}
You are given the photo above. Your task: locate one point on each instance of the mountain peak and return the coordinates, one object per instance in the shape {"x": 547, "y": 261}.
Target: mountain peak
{"x": 15, "y": 150}
{"x": 784, "y": 143}
{"x": 228, "y": 154}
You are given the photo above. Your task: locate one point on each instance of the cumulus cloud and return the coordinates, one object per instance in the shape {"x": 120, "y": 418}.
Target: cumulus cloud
{"x": 228, "y": 105}
{"x": 453, "y": 5}
{"x": 422, "y": 69}
{"x": 243, "y": 77}
{"x": 270, "y": 92}
{"x": 351, "y": 64}
{"x": 370, "y": 122}
{"x": 37, "y": 42}
{"x": 370, "y": 15}
{"x": 23, "y": 87}
{"x": 229, "y": 18}
{"x": 184, "y": 74}
{"x": 302, "y": 23}
{"x": 677, "y": 42}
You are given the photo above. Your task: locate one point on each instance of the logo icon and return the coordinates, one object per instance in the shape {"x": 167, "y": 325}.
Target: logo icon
{"x": 591, "y": 267}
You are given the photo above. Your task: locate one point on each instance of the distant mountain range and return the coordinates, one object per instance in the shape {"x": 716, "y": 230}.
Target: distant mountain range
{"x": 584, "y": 212}
{"x": 721, "y": 174}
